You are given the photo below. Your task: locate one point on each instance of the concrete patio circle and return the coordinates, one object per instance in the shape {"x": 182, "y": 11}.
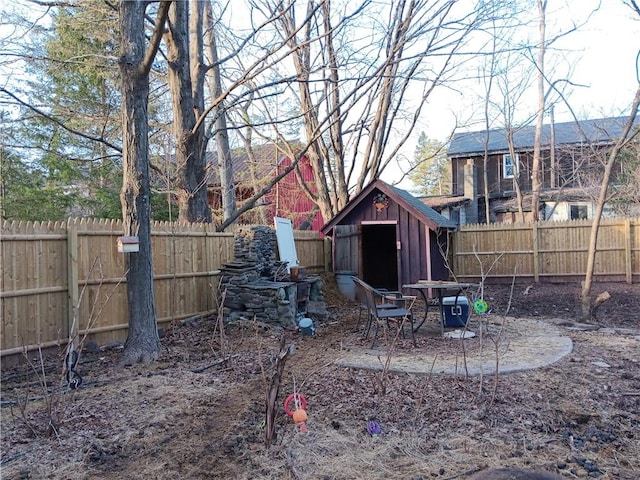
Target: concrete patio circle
{"x": 519, "y": 344}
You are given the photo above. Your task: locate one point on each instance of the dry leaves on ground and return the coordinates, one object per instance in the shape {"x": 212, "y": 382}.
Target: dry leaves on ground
{"x": 196, "y": 415}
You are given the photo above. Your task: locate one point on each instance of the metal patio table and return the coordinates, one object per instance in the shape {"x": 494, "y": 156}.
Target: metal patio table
{"x": 439, "y": 286}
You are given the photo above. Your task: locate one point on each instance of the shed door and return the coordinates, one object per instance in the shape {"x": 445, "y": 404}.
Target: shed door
{"x": 346, "y": 251}
{"x": 380, "y": 255}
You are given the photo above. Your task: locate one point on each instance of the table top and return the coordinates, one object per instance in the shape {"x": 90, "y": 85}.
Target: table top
{"x": 441, "y": 284}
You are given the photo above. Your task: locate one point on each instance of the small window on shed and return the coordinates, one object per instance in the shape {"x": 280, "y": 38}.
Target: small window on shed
{"x": 579, "y": 212}
{"x": 509, "y": 165}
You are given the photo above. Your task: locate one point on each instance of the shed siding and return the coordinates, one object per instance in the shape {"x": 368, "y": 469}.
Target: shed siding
{"x": 414, "y": 244}
{"x": 419, "y": 256}
{"x": 413, "y": 251}
{"x": 439, "y": 269}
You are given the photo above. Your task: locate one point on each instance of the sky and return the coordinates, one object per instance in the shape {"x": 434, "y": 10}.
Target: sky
{"x": 600, "y": 57}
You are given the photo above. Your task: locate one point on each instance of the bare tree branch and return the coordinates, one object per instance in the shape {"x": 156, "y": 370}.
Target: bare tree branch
{"x": 158, "y": 31}
{"x": 60, "y": 123}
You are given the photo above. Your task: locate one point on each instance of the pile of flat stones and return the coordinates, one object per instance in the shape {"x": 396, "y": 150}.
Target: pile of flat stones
{"x": 248, "y": 280}
{"x": 256, "y": 245}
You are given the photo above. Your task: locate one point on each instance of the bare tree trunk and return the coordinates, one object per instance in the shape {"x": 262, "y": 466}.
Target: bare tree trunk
{"x": 602, "y": 197}
{"x": 516, "y": 172}
{"x": 143, "y": 344}
{"x": 333, "y": 94}
{"x": 536, "y": 180}
{"x": 222, "y": 137}
{"x": 487, "y": 125}
{"x": 191, "y": 183}
{"x": 317, "y": 152}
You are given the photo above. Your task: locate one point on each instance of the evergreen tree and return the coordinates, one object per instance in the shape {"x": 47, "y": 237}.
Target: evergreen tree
{"x": 27, "y": 194}
{"x": 431, "y": 170}
{"x": 73, "y": 143}
{"x": 71, "y": 86}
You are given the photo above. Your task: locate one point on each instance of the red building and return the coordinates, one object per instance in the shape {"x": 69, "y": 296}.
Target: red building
{"x": 252, "y": 171}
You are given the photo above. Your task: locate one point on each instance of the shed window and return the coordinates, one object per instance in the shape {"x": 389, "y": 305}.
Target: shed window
{"x": 509, "y": 166}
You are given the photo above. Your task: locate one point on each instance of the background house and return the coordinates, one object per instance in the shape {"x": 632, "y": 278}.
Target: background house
{"x": 252, "y": 171}
{"x": 571, "y": 158}
{"x": 389, "y": 238}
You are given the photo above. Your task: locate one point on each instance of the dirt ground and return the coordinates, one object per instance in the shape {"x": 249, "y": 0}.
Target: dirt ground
{"x": 198, "y": 413}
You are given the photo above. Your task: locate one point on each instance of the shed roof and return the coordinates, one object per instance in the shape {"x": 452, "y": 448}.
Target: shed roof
{"x": 598, "y": 131}
{"x": 423, "y": 212}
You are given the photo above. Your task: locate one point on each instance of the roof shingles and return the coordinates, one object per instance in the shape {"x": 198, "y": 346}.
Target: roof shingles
{"x": 599, "y": 131}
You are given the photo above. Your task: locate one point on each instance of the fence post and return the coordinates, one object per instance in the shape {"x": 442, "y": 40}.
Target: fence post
{"x": 536, "y": 254}
{"x": 326, "y": 254}
{"x": 627, "y": 250}
{"x": 72, "y": 279}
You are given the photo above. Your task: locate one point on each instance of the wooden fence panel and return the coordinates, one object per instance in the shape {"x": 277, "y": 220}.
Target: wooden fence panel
{"x": 548, "y": 251}
{"x": 187, "y": 259}
{"x": 492, "y": 249}
{"x": 50, "y": 268}
{"x": 632, "y": 248}
{"x": 34, "y": 293}
{"x": 310, "y": 249}
{"x": 101, "y": 272}
{"x": 564, "y": 249}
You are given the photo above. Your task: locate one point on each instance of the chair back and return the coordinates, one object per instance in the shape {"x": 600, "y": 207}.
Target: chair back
{"x": 361, "y": 293}
{"x": 364, "y": 294}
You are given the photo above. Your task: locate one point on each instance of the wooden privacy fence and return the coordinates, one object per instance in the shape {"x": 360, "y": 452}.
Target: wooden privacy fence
{"x": 53, "y": 272}
{"x": 547, "y": 251}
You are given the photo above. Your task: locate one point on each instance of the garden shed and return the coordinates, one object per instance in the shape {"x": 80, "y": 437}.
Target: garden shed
{"x": 389, "y": 238}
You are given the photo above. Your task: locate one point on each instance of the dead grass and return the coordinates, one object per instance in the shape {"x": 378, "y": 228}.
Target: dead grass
{"x": 193, "y": 415}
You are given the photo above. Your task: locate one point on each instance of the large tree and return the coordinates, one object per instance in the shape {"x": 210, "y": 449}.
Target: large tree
{"x": 135, "y": 61}
{"x": 221, "y": 133}
{"x": 360, "y": 97}
{"x": 186, "y": 71}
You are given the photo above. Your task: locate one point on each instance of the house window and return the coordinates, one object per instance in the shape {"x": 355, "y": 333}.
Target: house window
{"x": 579, "y": 212}
{"x": 509, "y": 165}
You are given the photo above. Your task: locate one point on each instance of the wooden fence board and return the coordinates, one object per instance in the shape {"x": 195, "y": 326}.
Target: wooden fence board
{"x": 34, "y": 281}
{"x": 547, "y": 250}
{"x": 48, "y": 268}
{"x": 42, "y": 264}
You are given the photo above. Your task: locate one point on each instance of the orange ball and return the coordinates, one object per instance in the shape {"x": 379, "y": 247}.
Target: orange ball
{"x": 300, "y": 416}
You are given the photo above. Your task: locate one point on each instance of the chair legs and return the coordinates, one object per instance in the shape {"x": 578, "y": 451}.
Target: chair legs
{"x": 413, "y": 335}
{"x": 408, "y": 318}
{"x": 375, "y": 334}
{"x": 367, "y": 327}
{"x": 359, "y": 318}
